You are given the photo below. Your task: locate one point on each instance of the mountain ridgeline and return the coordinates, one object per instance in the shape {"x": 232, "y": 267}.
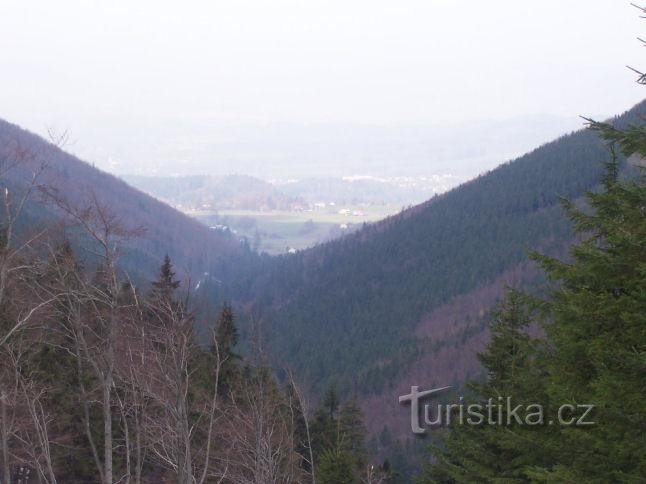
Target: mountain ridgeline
{"x": 351, "y": 310}
{"x": 194, "y": 249}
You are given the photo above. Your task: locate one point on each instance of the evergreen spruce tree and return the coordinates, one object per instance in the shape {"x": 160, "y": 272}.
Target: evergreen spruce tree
{"x": 597, "y": 327}
{"x": 593, "y": 351}
{"x": 162, "y": 300}
{"x": 339, "y": 463}
{"x": 226, "y": 336}
{"x": 338, "y": 439}
{"x": 487, "y": 452}
{"x": 166, "y": 284}
{"x": 324, "y": 423}
{"x": 331, "y": 401}
{"x": 337, "y": 467}
{"x": 353, "y": 430}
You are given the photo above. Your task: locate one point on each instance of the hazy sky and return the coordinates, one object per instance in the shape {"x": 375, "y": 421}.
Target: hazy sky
{"x": 388, "y": 62}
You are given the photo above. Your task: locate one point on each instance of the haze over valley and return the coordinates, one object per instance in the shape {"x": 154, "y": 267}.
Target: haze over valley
{"x": 295, "y": 186}
{"x": 322, "y": 242}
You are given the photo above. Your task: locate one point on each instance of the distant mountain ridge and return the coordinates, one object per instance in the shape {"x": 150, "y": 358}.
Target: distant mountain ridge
{"x": 287, "y": 150}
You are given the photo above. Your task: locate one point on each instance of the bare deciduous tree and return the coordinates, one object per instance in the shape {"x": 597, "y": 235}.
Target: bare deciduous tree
{"x": 179, "y": 422}
{"x": 18, "y": 308}
{"x": 148, "y": 395}
{"x": 96, "y": 312}
{"x": 298, "y": 408}
{"x": 261, "y": 434}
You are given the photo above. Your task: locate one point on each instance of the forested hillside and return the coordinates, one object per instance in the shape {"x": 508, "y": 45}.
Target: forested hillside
{"x": 401, "y": 302}
{"x": 351, "y": 310}
{"x": 102, "y": 377}
{"x": 65, "y": 178}
{"x": 582, "y": 377}
{"x": 356, "y": 310}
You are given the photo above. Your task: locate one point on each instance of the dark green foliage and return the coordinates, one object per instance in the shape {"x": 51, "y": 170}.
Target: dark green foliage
{"x": 497, "y": 453}
{"x": 324, "y": 423}
{"x": 597, "y": 330}
{"x": 226, "y": 333}
{"x": 508, "y": 353}
{"x": 54, "y": 368}
{"x": 352, "y": 430}
{"x": 331, "y": 401}
{"x": 397, "y": 457}
{"x": 226, "y": 337}
{"x": 593, "y": 353}
{"x": 337, "y": 467}
{"x": 166, "y": 284}
{"x": 338, "y": 439}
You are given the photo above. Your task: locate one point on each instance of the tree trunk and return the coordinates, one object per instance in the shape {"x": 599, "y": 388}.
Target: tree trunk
{"x": 107, "y": 426}
{"x": 6, "y": 467}
{"x": 185, "y": 474}
{"x": 138, "y": 448}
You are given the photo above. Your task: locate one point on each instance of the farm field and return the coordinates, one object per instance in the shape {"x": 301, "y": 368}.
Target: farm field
{"x": 277, "y": 232}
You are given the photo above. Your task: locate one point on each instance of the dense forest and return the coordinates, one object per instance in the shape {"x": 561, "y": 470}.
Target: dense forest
{"x": 590, "y": 358}
{"x": 109, "y": 373}
{"x": 103, "y": 379}
{"x": 348, "y": 309}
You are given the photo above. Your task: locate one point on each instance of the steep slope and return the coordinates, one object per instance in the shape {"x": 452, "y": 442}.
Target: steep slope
{"x": 366, "y": 310}
{"x": 193, "y": 247}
